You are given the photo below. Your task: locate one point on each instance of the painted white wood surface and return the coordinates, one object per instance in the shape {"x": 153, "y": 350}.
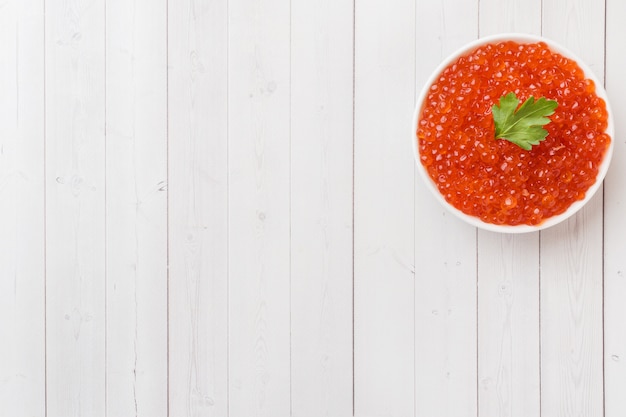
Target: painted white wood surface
{"x": 384, "y": 87}
{"x": 22, "y": 229}
{"x": 321, "y": 207}
{"x": 210, "y": 208}
{"x": 75, "y": 208}
{"x": 197, "y": 189}
{"x": 136, "y": 204}
{"x": 259, "y": 215}
{"x": 614, "y": 222}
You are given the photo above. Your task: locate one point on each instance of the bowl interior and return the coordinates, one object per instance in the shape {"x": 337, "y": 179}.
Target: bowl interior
{"x": 550, "y": 221}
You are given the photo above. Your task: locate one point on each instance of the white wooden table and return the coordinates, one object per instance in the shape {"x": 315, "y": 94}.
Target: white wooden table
{"x": 211, "y": 208}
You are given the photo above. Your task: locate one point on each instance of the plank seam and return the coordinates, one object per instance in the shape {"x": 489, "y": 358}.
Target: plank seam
{"x": 228, "y": 208}
{"x": 106, "y": 322}
{"x": 290, "y": 210}
{"x": 45, "y": 221}
{"x": 476, "y": 317}
{"x": 539, "y": 318}
{"x": 603, "y": 242}
{"x": 353, "y": 189}
{"x": 414, "y": 213}
{"x": 414, "y": 269}
{"x": 167, "y": 203}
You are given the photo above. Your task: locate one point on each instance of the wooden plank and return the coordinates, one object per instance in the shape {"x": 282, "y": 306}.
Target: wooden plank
{"x": 75, "y": 202}
{"x": 321, "y": 207}
{"x": 259, "y": 207}
{"x": 509, "y": 16}
{"x": 22, "y": 311}
{"x": 198, "y": 208}
{"x": 508, "y": 267}
{"x": 383, "y": 208}
{"x": 571, "y": 255}
{"x": 445, "y": 250}
{"x": 136, "y": 204}
{"x": 614, "y": 222}
{"x": 508, "y": 325}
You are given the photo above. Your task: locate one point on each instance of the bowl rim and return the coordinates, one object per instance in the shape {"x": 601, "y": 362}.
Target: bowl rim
{"x": 550, "y": 221}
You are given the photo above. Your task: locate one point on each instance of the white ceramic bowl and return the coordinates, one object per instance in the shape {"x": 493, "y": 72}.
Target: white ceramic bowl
{"x": 550, "y": 221}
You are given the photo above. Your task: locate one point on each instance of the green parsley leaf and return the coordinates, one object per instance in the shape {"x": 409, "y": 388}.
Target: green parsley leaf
{"x": 522, "y": 127}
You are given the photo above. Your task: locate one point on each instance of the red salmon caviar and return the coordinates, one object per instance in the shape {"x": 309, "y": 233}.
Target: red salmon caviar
{"x": 496, "y": 180}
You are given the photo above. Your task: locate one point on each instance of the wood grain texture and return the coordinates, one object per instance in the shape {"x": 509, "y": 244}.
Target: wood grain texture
{"x": 136, "y": 204}
{"x": 22, "y": 269}
{"x": 383, "y": 214}
{"x": 508, "y": 325}
{"x": 198, "y": 208}
{"x": 614, "y": 220}
{"x": 508, "y": 271}
{"x": 210, "y": 208}
{"x": 509, "y": 16}
{"x": 75, "y": 203}
{"x": 571, "y": 319}
{"x": 259, "y": 87}
{"x": 321, "y": 207}
{"x": 571, "y": 255}
{"x": 445, "y": 249}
